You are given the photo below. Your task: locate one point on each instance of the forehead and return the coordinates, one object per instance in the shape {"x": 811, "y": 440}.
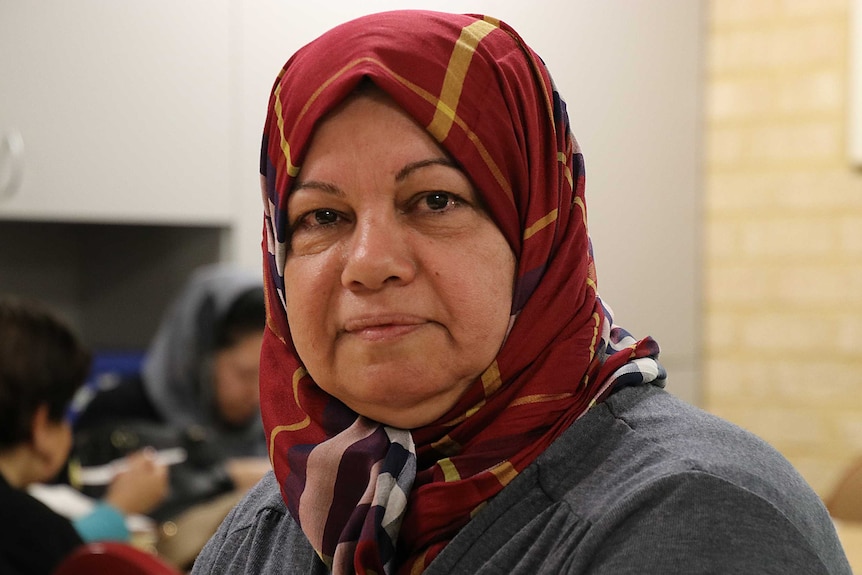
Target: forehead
{"x": 369, "y": 107}
{"x": 370, "y": 131}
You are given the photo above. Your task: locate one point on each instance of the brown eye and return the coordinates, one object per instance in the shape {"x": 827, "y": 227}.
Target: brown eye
{"x": 324, "y": 217}
{"x": 437, "y": 201}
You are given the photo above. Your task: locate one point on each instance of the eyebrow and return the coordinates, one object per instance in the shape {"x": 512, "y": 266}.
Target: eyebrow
{"x": 413, "y": 166}
{"x": 402, "y": 174}
{"x": 325, "y": 187}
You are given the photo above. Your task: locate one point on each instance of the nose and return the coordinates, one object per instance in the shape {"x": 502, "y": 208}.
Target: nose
{"x": 378, "y": 254}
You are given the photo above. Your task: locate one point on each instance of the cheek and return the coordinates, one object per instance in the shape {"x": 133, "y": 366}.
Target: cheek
{"x": 477, "y": 290}
{"x": 63, "y": 445}
{"x": 491, "y": 309}
{"x": 67, "y": 439}
{"x": 309, "y": 284}
{"x": 487, "y": 277}
{"x": 228, "y": 389}
{"x": 237, "y": 385}
{"x": 499, "y": 275}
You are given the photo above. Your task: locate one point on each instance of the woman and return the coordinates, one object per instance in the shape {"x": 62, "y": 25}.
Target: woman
{"x": 200, "y": 374}
{"x": 202, "y": 365}
{"x": 442, "y": 389}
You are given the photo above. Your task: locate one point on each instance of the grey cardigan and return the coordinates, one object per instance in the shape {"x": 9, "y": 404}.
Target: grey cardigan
{"x": 641, "y": 484}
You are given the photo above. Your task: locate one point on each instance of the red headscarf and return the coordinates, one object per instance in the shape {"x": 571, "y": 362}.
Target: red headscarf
{"x": 372, "y": 498}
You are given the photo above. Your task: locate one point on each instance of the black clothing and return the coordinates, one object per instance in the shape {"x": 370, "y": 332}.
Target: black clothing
{"x": 33, "y": 538}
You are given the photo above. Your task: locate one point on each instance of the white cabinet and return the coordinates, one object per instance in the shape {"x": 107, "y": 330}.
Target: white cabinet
{"x": 115, "y": 111}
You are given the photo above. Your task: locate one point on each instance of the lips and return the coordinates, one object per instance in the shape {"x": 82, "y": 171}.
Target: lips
{"x": 383, "y": 327}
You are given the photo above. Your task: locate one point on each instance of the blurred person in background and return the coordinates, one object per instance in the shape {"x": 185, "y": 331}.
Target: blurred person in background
{"x": 42, "y": 365}
{"x": 198, "y": 391}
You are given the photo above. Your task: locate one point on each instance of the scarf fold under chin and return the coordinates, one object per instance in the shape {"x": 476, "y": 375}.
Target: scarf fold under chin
{"x": 355, "y": 494}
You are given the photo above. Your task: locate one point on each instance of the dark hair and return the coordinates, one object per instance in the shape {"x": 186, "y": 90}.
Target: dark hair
{"x": 42, "y": 362}
{"x": 246, "y": 315}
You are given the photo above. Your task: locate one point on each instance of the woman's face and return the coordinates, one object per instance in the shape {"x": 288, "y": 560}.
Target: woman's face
{"x": 398, "y": 283}
{"x": 235, "y": 376}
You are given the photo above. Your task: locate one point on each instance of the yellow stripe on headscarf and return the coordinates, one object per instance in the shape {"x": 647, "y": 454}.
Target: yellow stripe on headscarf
{"x": 491, "y": 380}
{"x": 580, "y": 203}
{"x": 541, "y": 224}
{"x": 456, "y": 72}
{"x": 563, "y": 158}
{"x": 598, "y": 322}
{"x": 466, "y": 415}
{"x": 297, "y": 375}
{"x": 505, "y": 472}
{"x": 539, "y": 398}
{"x": 285, "y": 145}
{"x": 450, "y": 473}
{"x": 419, "y": 564}
{"x": 447, "y": 446}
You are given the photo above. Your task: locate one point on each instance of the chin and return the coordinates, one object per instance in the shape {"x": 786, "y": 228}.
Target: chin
{"x": 392, "y": 397}
{"x": 400, "y": 416}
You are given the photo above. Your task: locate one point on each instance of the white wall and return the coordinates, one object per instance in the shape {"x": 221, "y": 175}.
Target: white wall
{"x": 630, "y": 73}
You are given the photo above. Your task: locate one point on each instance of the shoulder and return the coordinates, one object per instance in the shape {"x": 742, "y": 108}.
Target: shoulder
{"x": 259, "y": 536}
{"x": 663, "y": 436}
{"x": 649, "y": 462}
{"x": 264, "y": 499}
{"x": 645, "y": 483}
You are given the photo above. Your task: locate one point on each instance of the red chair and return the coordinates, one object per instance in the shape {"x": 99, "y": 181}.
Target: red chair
{"x": 113, "y": 558}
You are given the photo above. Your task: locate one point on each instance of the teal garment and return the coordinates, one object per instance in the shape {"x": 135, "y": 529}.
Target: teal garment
{"x": 104, "y": 523}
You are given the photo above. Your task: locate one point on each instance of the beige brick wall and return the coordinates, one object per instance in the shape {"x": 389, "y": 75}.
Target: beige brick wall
{"x": 783, "y": 233}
